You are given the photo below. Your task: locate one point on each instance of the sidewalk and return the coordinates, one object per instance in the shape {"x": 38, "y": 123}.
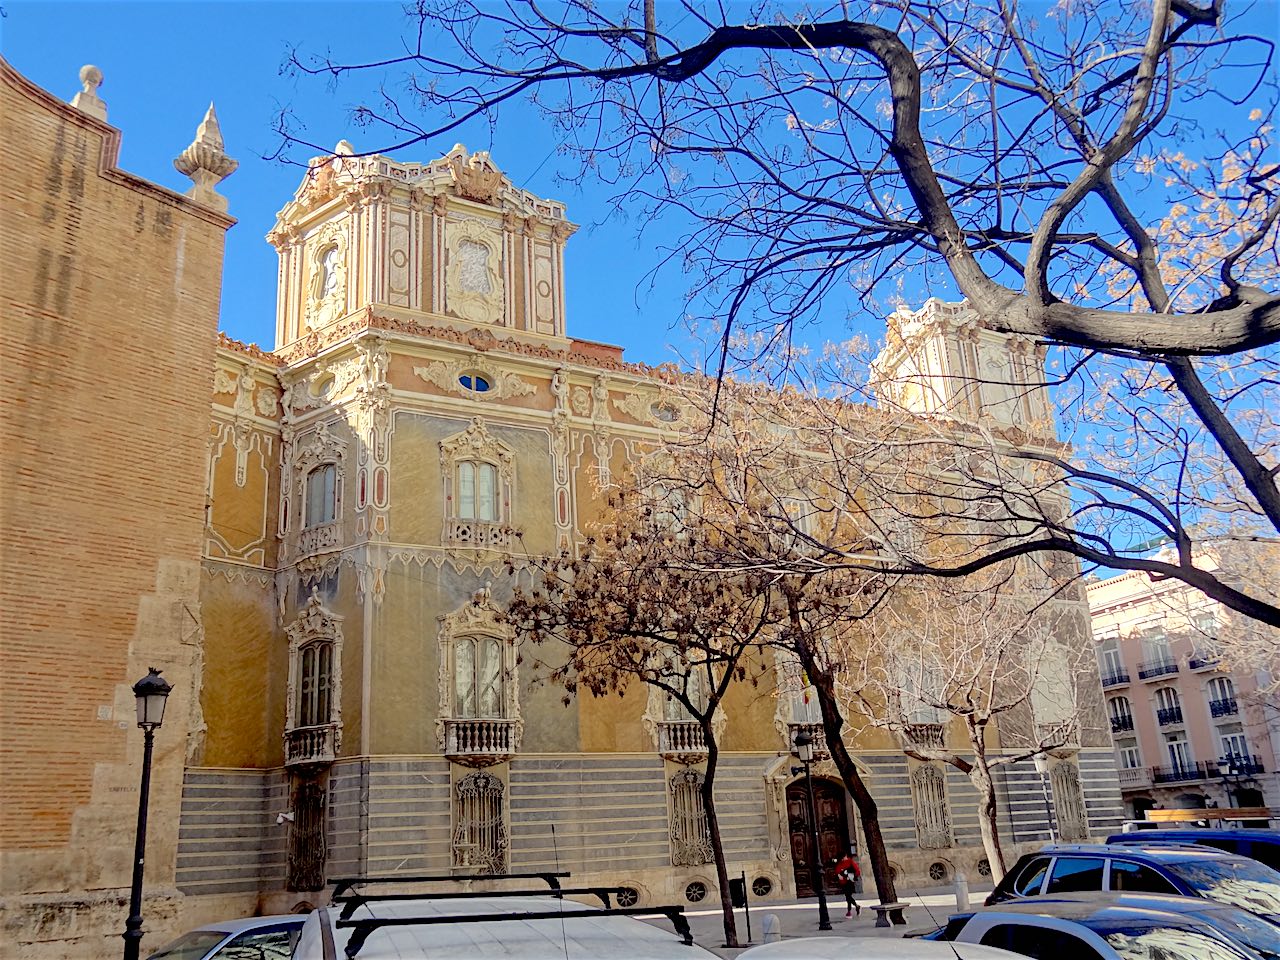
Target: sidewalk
{"x": 929, "y": 908}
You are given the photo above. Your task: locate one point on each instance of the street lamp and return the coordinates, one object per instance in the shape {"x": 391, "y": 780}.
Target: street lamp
{"x": 1042, "y": 768}
{"x": 151, "y": 692}
{"x": 804, "y": 750}
{"x": 1233, "y": 769}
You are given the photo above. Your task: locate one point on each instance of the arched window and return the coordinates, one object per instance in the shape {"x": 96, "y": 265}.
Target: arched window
{"x": 315, "y": 670}
{"x": 322, "y": 490}
{"x": 480, "y": 828}
{"x": 328, "y": 266}
{"x": 1221, "y": 688}
{"x": 478, "y": 678}
{"x": 477, "y": 491}
{"x": 1168, "y": 706}
{"x": 1119, "y": 707}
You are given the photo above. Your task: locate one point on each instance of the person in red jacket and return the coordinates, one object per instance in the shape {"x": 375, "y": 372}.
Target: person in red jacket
{"x": 848, "y": 873}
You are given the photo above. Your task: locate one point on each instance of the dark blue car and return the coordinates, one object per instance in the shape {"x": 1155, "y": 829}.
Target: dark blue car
{"x": 1189, "y": 871}
{"x": 1261, "y": 845}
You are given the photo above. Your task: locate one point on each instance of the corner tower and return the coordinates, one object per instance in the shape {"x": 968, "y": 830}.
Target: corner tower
{"x": 452, "y": 238}
{"x": 942, "y": 360}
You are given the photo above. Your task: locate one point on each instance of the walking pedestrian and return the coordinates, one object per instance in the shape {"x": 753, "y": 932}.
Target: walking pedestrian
{"x": 848, "y": 873}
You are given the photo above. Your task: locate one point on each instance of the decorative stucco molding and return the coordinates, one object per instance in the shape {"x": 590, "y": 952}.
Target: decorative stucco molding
{"x": 502, "y": 383}
{"x": 474, "y": 277}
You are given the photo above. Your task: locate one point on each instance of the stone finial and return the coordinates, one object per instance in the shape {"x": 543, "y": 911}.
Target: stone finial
{"x": 206, "y": 163}
{"x": 87, "y": 100}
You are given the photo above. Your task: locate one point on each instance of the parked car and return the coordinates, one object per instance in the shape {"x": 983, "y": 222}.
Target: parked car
{"x": 253, "y": 938}
{"x": 1109, "y": 926}
{"x": 490, "y": 925}
{"x": 1179, "y": 869}
{"x": 867, "y": 948}
{"x": 1259, "y": 844}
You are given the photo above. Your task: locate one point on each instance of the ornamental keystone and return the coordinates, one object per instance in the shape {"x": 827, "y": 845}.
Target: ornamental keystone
{"x": 206, "y": 163}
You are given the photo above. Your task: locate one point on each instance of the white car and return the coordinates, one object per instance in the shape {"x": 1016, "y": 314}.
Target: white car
{"x": 871, "y": 948}
{"x": 528, "y": 927}
{"x": 252, "y": 938}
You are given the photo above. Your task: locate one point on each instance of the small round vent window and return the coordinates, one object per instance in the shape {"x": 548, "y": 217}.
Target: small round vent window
{"x": 762, "y": 886}
{"x": 628, "y": 896}
{"x": 474, "y": 382}
{"x": 695, "y": 891}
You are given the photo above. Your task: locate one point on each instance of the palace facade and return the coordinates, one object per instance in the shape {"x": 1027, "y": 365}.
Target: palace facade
{"x": 327, "y": 596}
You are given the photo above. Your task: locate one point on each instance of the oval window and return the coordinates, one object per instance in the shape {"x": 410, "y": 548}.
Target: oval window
{"x": 474, "y": 382}
{"x": 665, "y": 412}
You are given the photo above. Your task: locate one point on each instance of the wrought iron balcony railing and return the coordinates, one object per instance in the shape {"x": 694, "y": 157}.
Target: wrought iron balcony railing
{"x": 1168, "y": 716}
{"x": 1179, "y": 774}
{"x": 1157, "y": 668}
{"x": 480, "y": 742}
{"x": 1203, "y": 661}
{"x": 316, "y": 744}
{"x": 1121, "y": 723}
{"x": 1225, "y": 707}
{"x": 1241, "y": 766}
{"x": 1115, "y": 679}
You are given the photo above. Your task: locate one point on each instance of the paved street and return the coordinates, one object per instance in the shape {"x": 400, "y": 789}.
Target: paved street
{"x": 799, "y": 918}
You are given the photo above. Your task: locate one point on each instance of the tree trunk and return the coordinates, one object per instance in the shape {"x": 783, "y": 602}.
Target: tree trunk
{"x": 713, "y": 832}
{"x": 868, "y": 813}
{"x": 988, "y": 825}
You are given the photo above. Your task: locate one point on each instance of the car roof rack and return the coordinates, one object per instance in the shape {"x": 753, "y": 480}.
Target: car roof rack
{"x": 342, "y": 885}
{"x": 362, "y": 927}
{"x": 352, "y": 901}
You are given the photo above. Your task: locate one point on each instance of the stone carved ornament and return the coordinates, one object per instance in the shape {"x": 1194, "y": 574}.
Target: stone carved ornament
{"x": 327, "y": 291}
{"x": 478, "y": 617}
{"x": 315, "y": 622}
{"x": 502, "y": 383}
{"x": 473, "y": 282}
{"x": 662, "y": 411}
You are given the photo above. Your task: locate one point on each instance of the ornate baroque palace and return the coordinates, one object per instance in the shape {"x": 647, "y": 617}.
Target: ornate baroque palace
{"x": 348, "y": 698}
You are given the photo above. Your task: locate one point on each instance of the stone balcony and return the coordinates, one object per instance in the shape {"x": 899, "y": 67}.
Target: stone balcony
{"x": 480, "y": 742}
{"x": 923, "y": 734}
{"x": 817, "y": 733}
{"x": 321, "y": 538}
{"x": 483, "y": 534}
{"x": 1135, "y": 778}
{"x": 317, "y": 744}
{"x": 681, "y": 741}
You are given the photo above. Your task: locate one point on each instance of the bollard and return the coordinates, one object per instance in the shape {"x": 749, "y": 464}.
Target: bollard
{"x": 962, "y": 891}
{"x": 770, "y": 929}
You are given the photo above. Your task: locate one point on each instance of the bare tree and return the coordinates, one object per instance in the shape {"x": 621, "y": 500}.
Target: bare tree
{"x": 634, "y": 606}
{"x": 809, "y": 164}
{"x": 1002, "y": 662}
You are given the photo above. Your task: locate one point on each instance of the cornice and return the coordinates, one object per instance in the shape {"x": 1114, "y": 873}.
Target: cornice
{"x": 109, "y": 150}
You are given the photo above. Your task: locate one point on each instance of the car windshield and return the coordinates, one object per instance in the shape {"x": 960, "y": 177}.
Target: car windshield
{"x": 1148, "y": 940}
{"x": 1244, "y": 883}
{"x": 190, "y": 946}
{"x": 1246, "y": 928}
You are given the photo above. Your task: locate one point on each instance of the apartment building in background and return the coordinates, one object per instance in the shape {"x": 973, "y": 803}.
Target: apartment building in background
{"x": 1189, "y": 729}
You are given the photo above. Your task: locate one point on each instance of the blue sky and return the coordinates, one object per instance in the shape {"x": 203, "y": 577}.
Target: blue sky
{"x": 164, "y": 62}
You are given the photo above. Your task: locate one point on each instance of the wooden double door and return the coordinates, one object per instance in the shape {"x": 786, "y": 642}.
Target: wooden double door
{"x": 833, "y": 833}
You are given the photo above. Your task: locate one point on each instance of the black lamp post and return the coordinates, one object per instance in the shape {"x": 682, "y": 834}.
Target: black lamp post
{"x": 804, "y": 750}
{"x": 151, "y": 692}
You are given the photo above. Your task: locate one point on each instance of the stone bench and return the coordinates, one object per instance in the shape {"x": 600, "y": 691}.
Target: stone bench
{"x": 890, "y": 913}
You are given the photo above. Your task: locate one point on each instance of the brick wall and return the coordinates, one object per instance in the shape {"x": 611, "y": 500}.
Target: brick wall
{"x": 109, "y": 300}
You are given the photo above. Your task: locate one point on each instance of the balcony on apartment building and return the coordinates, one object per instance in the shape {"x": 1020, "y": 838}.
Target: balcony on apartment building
{"x": 1167, "y": 716}
{"x": 1157, "y": 668}
{"x": 1203, "y": 661}
{"x": 681, "y": 740}
{"x": 320, "y": 538}
{"x": 1122, "y": 723}
{"x": 1182, "y": 773}
{"x": 1226, "y": 707}
{"x": 480, "y": 741}
{"x": 317, "y": 744}
{"x": 1241, "y": 766}
{"x": 1115, "y": 679}
{"x": 1134, "y": 778}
